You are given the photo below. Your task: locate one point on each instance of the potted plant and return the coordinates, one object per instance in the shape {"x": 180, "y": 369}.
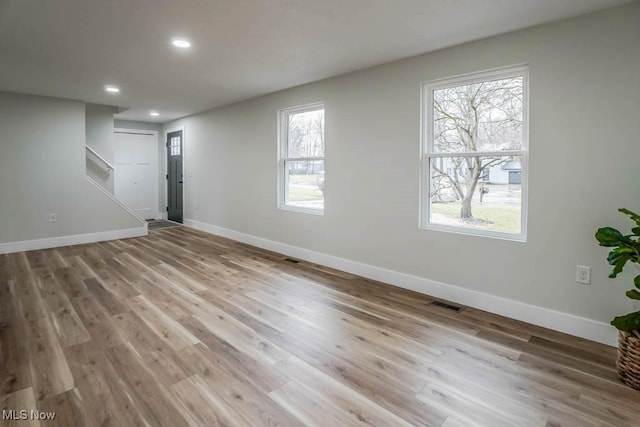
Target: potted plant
{"x": 626, "y": 248}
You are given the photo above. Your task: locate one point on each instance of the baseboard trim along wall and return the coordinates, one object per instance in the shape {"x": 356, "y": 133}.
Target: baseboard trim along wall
{"x": 563, "y": 322}
{"x": 56, "y": 242}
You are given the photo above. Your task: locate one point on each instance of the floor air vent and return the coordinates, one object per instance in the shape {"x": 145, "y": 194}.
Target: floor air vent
{"x": 447, "y": 306}
{"x": 295, "y": 261}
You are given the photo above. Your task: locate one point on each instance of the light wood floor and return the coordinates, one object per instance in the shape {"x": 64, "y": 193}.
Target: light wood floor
{"x": 183, "y": 328}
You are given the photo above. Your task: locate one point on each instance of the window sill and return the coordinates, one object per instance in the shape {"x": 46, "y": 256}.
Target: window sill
{"x": 302, "y": 210}
{"x": 521, "y": 237}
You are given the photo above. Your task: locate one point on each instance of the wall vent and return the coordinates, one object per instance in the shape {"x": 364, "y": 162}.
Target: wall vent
{"x": 295, "y": 261}
{"x": 445, "y": 305}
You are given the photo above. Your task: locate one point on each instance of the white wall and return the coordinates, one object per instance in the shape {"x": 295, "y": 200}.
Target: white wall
{"x": 42, "y": 171}
{"x": 584, "y": 151}
{"x": 99, "y": 136}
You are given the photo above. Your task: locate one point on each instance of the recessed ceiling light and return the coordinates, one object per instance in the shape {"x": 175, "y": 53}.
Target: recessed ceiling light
{"x": 112, "y": 89}
{"x": 154, "y": 113}
{"x": 180, "y": 42}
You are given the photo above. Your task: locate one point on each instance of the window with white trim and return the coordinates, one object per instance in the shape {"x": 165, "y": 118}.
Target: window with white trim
{"x": 474, "y": 154}
{"x": 301, "y": 159}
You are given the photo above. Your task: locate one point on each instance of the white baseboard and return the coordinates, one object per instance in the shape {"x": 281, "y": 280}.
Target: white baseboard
{"x": 56, "y": 242}
{"x": 563, "y": 322}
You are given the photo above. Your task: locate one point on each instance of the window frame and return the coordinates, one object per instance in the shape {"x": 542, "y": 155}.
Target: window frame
{"x": 283, "y": 158}
{"x": 427, "y": 151}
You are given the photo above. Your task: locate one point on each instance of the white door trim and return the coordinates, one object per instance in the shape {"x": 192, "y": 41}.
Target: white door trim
{"x": 136, "y": 131}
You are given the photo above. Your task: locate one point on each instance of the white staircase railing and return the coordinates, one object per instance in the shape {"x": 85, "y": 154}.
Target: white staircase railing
{"x": 101, "y": 159}
{"x": 91, "y": 153}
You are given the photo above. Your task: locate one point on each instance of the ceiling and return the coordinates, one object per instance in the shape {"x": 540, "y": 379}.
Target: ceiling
{"x": 240, "y": 48}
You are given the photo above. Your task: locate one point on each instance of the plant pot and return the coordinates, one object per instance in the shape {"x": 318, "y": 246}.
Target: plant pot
{"x": 629, "y": 358}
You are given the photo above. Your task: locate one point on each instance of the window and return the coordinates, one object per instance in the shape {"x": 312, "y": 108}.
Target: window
{"x": 474, "y": 154}
{"x": 174, "y": 146}
{"x": 301, "y": 159}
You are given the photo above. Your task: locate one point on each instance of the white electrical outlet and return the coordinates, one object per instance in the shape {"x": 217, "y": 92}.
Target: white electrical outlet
{"x": 53, "y": 217}
{"x": 583, "y": 274}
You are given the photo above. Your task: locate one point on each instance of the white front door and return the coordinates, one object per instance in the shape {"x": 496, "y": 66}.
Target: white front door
{"x": 136, "y": 176}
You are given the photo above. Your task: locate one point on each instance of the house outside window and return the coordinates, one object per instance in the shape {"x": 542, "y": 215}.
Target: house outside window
{"x": 301, "y": 172}
{"x": 474, "y": 154}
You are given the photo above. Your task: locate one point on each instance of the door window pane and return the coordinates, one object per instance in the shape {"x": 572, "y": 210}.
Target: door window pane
{"x": 175, "y": 146}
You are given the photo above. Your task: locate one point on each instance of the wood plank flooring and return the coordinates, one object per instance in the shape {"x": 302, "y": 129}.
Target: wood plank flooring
{"x": 184, "y": 328}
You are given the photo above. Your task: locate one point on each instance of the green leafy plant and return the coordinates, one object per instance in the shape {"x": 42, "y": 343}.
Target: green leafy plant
{"x": 626, "y": 248}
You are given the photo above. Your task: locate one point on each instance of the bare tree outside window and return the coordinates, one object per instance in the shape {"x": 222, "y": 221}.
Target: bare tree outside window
{"x": 475, "y": 151}
{"x": 306, "y": 134}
